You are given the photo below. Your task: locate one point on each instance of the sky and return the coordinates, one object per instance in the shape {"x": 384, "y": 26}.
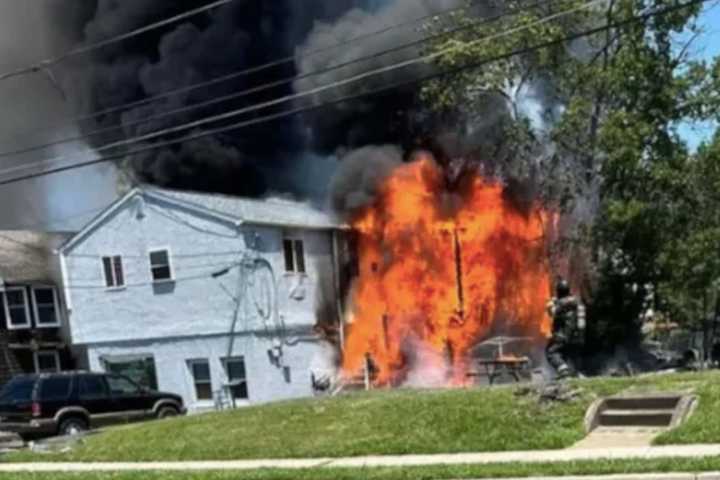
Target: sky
{"x": 707, "y": 47}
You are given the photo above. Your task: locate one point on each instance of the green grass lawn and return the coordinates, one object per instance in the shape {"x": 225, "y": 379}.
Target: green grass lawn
{"x": 386, "y": 422}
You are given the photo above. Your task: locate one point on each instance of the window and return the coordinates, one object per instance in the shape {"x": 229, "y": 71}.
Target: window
{"x": 55, "y": 388}
{"x": 237, "y": 377}
{"x": 113, "y": 269}
{"x": 46, "y": 307}
{"x": 17, "y": 311}
{"x": 122, "y": 386}
{"x": 200, "y": 371}
{"x": 160, "y": 265}
{"x": 138, "y": 368}
{"x": 47, "y": 361}
{"x": 17, "y": 390}
{"x": 92, "y": 387}
{"x": 294, "y": 255}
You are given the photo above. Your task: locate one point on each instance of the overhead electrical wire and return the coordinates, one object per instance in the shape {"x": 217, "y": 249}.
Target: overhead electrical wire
{"x": 295, "y": 96}
{"x": 383, "y": 89}
{"x": 251, "y": 70}
{"x": 270, "y": 85}
{"x": 44, "y": 65}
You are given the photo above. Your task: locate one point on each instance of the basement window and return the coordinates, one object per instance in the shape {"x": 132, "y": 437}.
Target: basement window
{"x": 47, "y": 361}
{"x": 160, "y": 265}
{"x": 294, "y": 250}
{"x": 113, "y": 270}
{"x": 46, "y": 307}
{"x": 17, "y": 311}
{"x": 200, "y": 371}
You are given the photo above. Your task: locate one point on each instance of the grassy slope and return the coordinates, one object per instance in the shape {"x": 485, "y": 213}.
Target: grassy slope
{"x": 388, "y": 422}
{"x": 704, "y": 425}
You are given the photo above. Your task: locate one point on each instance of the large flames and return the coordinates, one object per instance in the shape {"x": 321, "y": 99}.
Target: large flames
{"x": 441, "y": 271}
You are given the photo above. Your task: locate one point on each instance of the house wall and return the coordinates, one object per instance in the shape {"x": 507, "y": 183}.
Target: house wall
{"x": 266, "y": 382}
{"x": 16, "y": 345}
{"x": 195, "y": 303}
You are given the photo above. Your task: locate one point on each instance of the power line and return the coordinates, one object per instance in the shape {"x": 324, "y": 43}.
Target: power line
{"x": 249, "y": 71}
{"x": 314, "y": 91}
{"x": 270, "y": 85}
{"x": 347, "y": 98}
{"x": 45, "y": 65}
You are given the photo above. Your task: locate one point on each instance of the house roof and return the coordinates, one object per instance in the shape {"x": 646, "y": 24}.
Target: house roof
{"x": 270, "y": 211}
{"x": 27, "y": 257}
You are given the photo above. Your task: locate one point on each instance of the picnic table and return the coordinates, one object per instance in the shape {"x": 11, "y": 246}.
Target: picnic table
{"x": 500, "y": 363}
{"x": 494, "y": 368}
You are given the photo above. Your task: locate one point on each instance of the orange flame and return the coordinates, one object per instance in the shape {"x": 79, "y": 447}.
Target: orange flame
{"x": 443, "y": 270}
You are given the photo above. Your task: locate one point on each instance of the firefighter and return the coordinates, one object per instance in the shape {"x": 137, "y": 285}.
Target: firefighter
{"x": 568, "y": 330}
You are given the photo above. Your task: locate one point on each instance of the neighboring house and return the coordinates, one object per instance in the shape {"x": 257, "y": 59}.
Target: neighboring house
{"x": 32, "y": 314}
{"x": 211, "y": 297}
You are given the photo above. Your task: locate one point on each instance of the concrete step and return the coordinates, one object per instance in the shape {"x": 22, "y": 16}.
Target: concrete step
{"x": 636, "y": 418}
{"x": 643, "y": 403}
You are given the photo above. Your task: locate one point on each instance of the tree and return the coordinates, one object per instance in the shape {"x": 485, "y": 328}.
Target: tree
{"x": 605, "y": 151}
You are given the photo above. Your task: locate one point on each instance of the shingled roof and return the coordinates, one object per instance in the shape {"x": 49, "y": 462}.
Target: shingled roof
{"x": 27, "y": 257}
{"x": 269, "y": 211}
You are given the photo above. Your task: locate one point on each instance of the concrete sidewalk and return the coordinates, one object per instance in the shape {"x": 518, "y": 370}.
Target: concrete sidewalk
{"x": 538, "y": 456}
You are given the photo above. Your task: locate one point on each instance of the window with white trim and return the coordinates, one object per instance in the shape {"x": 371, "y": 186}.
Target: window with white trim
{"x": 237, "y": 377}
{"x": 294, "y": 251}
{"x": 200, "y": 371}
{"x": 47, "y": 309}
{"x": 113, "y": 269}
{"x": 160, "y": 265}
{"x": 47, "y": 361}
{"x": 17, "y": 311}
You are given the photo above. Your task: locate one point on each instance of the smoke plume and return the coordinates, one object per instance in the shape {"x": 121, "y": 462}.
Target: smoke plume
{"x": 29, "y": 32}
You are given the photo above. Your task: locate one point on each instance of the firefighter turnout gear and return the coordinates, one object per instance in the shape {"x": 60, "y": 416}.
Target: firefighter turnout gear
{"x": 568, "y": 331}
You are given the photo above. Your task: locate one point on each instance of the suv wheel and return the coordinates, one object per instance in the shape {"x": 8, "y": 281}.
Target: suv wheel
{"x": 72, "y": 426}
{"x": 167, "y": 412}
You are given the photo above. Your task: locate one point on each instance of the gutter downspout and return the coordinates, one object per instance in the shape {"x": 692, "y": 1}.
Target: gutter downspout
{"x": 65, "y": 281}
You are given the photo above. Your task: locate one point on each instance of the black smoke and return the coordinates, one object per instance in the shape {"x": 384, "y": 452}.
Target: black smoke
{"x": 239, "y": 35}
{"x": 234, "y": 37}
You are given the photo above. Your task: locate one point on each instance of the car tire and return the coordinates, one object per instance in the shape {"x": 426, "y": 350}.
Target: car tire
{"x": 167, "y": 412}
{"x": 72, "y": 426}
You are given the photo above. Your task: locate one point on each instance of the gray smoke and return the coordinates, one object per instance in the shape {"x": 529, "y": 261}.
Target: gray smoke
{"x": 360, "y": 174}
{"x": 29, "y": 32}
{"x": 380, "y": 119}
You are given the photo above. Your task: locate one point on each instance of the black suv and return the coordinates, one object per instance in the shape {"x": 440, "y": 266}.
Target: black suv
{"x": 71, "y": 402}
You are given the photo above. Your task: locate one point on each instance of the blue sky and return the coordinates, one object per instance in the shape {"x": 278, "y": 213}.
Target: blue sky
{"x": 707, "y": 46}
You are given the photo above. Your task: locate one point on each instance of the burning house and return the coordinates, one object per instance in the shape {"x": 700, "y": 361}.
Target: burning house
{"x": 441, "y": 268}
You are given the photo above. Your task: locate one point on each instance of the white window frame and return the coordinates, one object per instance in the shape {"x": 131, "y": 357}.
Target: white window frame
{"x": 170, "y": 264}
{"x": 54, "y": 353}
{"x": 294, "y": 239}
{"x": 112, "y": 271}
{"x": 190, "y": 363}
{"x": 8, "y": 316}
{"x": 36, "y": 310}
{"x": 224, "y": 362}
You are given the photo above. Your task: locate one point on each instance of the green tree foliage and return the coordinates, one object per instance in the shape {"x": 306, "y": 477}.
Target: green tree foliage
{"x": 607, "y": 151}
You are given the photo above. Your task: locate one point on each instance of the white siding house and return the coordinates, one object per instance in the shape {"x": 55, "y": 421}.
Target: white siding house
{"x": 207, "y": 296}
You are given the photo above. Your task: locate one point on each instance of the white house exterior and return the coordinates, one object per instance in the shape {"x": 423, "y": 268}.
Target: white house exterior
{"x": 207, "y": 296}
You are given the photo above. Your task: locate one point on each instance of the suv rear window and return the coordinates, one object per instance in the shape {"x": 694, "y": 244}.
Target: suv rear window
{"x": 18, "y": 390}
{"x": 55, "y": 388}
